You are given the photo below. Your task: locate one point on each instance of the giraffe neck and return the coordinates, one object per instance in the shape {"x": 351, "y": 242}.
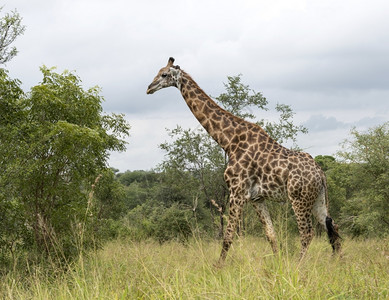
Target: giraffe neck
{"x": 225, "y": 128}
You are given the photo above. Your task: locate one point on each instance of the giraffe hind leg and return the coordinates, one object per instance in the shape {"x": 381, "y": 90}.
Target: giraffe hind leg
{"x": 304, "y": 224}
{"x": 264, "y": 216}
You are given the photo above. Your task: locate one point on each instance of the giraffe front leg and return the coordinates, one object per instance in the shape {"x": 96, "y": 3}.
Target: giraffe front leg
{"x": 233, "y": 219}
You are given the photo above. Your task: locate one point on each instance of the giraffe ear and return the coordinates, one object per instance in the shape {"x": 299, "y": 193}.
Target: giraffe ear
{"x": 170, "y": 62}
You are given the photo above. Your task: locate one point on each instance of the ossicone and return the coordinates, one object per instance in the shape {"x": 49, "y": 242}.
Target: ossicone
{"x": 170, "y": 61}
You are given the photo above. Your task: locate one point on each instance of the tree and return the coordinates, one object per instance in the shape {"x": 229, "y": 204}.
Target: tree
{"x": 52, "y": 151}
{"x": 325, "y": 161}
{"x": 240, "y": 99}
{"x": 366, "y": 211}
{"x": 196, "y": 164}
{"x": 139, "y": 186}
{"x": 11, "y": 217}
{"x": 10, "y": 28}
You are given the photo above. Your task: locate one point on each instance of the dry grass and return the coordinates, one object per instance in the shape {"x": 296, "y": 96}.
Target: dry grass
{"x": 147, "y": 270}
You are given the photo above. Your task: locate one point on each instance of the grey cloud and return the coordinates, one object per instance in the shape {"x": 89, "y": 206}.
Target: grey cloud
{"x": 371, "y": 121}
{"x": 317, "y": 123}
{"x": 327, "y": 59}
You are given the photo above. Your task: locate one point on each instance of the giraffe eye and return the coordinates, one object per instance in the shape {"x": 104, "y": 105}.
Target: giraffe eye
{"x": 164, "y": 75}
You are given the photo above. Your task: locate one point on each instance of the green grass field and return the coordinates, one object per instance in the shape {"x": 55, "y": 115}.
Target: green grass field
{"x": 147, "y": 270}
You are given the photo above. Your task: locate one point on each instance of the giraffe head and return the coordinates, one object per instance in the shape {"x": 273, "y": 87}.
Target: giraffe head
{"x": 167, "y": 76}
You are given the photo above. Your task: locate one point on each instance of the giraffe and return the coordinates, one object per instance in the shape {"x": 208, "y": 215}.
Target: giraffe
{"x": 258, "y": 168}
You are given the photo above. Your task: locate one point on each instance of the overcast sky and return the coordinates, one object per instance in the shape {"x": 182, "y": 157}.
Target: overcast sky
{"x": 329, "y": 60}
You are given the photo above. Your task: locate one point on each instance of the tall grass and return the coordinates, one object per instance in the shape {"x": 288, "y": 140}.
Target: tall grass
{"x": 148, "y": 270}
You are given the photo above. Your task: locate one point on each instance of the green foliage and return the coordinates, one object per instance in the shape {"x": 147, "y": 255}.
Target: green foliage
{"x": 366, "y": 211}
{"x": 13, "y": 230}
{"x": 136, "y": 194}
{"x": 325, "y": 161}
{"x": 145, "y": 178}
{"x": 240, "y": 98}
{"x": 157, "y": 207}
{"x": 192, "y": 150}
{"x": 173, "y": 223}
{"x": 358, "y": 183}
{"x": 139, "y": 186}
{"x": 10, "y": 28}
{"x": 110, "y": 197}
{"x": 196, "y": 163}
{"x": 158, "y": 222}
{"x": 54, "y": 142}
{"x": 284, "y": 129}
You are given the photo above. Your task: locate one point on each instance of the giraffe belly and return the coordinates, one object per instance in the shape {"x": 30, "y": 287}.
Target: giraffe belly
{"x": 260, "y": 192}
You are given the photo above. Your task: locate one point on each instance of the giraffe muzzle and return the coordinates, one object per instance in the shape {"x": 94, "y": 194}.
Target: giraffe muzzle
{"x": 150, "y": 90}
{"x": 153, "y": 87}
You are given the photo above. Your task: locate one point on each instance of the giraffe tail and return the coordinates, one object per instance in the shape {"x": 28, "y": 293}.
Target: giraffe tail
{"x": 333, "y": 235}
{"x": 332, "y": 228}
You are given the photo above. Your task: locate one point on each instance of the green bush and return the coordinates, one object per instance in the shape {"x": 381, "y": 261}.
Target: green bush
{"x": 160, "y": 223}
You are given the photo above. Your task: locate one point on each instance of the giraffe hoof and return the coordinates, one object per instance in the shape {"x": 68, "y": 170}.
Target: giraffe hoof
{"x": 218, "y": 265}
